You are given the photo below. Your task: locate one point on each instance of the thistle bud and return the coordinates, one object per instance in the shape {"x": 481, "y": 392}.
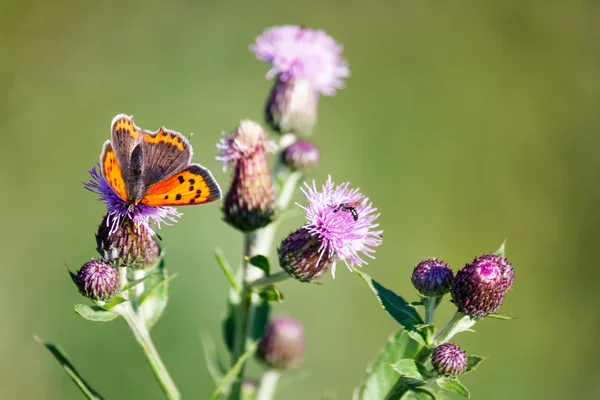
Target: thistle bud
{"x": 449, "y": 359}
{"x": 250, "y": 202}
{"x": 301, "y": 256}
{"x": 292, "y": 106}
{"x": 432, "y": 278}
{"x": 301, "y": 155}
{"x": 97, "y": 280}
{"x": 249, "y": 388}
{"x": 282, "y": 346}
{"x": 130, "y": 245}
{"x": 479, "y": 288}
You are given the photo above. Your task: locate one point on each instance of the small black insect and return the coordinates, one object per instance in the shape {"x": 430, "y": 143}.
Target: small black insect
{"x": 347, "y": 207}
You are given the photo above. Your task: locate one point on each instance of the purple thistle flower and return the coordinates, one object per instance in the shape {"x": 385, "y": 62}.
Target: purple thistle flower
{"x": 343, "y": 221}
{"x": 97, "y": 280}
{"x": 119, "y": 210}
{"x": 432, "y": 277}
{"x": 283, "y": 344}
{"x": 449, "y": 359}
{"x": 301, "y": 155}
{"x": 300, "y": 52}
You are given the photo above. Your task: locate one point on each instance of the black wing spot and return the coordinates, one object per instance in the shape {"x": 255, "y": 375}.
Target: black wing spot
{"x": 191, "y": 188}
{"x": 166, "y": 197}
{"x": 192, "y": 201}
{"x": 178, "y": 197}
{"x": 181, "y": 180}
{"x": 192, "y": 181}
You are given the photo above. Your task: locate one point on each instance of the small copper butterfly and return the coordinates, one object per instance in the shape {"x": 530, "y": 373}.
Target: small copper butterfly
{"x": 154, "y": 168}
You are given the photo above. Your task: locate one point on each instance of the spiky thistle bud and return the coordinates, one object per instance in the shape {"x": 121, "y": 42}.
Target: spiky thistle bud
{"x": 301, "y": 155}
{"x": 301, "y": 256}
{"x": 250, "y": 202}
{"x": 432, "y": 277}
{"x": 282, "y": 346}
{"x": 97, "y": 280}
{"x": 449, "y": 359}
{"x": 479, "y": 288}
{"x": 130, "y": 245}
{"x": 292, "y": 106}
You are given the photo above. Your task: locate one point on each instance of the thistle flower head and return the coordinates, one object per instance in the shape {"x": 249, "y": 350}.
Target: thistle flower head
{"x": 342, "y": 221}
{"x": 432, "y": 277}
{"x": 120, "y": 210}
{"x": 300, "y": 256}
{"x": 479, "y": 288}
{"x": 449, "y": 359}
{"x": 283, "y": 344}
{"x": 97, "y": 280}
{"x": 300, "y": 52}
{"x": 250, "y": 202}
{"x": 130, "y": 245}
{"x": 292, "y": 106}
{"x": 301, "y": 155}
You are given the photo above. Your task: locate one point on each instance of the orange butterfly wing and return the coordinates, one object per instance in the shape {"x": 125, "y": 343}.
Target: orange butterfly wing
{"x": 111, "y": 170}
{"x": 193, "y": 185}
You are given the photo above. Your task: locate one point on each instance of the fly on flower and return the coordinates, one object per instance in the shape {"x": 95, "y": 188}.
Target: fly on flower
{"x": 347, "y": 207}
{"x": 143, "y": 173}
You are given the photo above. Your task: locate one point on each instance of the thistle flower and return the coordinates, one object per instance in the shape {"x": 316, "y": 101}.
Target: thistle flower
{"x": 250, "y": 202}
{"x": 97, "y": 280}
{"x": 283, "y": 344}
{"x": 131, "y": 245}
{"x": 306, "y": 63}
{"x": 449, "y": 359}
{"x": 340, "y": 226}
{"x": 301, "y": 155}
{"x": 432, "y": 277}
{"x": 479, "y": 288}
{"x": 119, "y": 210}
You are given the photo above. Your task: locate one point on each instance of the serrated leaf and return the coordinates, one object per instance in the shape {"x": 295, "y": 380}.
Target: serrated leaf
{"x": 271, "y": 293}
{"x": 136, "y": 282}
{"x": 224, "y": 385}
{"x": 153, "y": 301}
{"x": 473, "y": 362}
{"x": 380, "y": 378}
{"x": 60, "y": 356}
{"x": 115, "y": 301}
{"x": 411, "y": 369}
{"x": 502, "y": 250}
{"x": 94, "y": 313}
{"x": 213, "y": 364}
{"x": 226, "y": 268}
{"x": 419, "y": 394}
{"x": 395, "y": 305}
{"x": 261, "y": 262}
{"x": 427, "y": 332}
{"x": 500, "y": 316}
{"x": 453, "y": 385}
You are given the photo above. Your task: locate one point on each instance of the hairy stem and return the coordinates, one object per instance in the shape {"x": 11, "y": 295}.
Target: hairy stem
{"x": 430, "y": 309}
{"x": 268, "y": 384}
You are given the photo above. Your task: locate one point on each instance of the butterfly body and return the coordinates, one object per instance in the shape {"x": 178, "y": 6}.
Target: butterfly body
{"x": 154, "y": 168}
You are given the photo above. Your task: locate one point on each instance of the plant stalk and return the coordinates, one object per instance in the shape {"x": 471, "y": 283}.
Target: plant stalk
{"x": 268, "y": 385}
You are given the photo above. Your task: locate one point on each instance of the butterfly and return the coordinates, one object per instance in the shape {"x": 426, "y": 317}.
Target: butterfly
{"x": 154, "y": 168}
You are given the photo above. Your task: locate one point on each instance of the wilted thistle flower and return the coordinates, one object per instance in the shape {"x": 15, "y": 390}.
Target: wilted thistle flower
{"x": 432, "y": 277}
{"x": 340, "y": 226}
{"x": 250, "y": 202}
{"x": 306, "y": 63}
{"x": 302, "y": 155}
{"x": 130, "y": 245}
{"x": 479, "y": 288}
{"x": 449, "y": 359}
{"x": 282, "y": 346}
{"x": 97, "y": 280}
{"x": 119, "y": 210}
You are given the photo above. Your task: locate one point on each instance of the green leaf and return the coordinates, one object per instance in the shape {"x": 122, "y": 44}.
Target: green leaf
{"x": 213, "y": 364}
{"x": 502, "y": 250}
{"x": 473, "y": 362}
{"x": 500, "y": 316}
{"x": 262, "y": 311}
{"x": 153, "y": 301}
{"x": 395, "y": 305}
{"x": 423, "y": 334}
{"x": 453, "y": 385}
{"x": 95, "y": 313}
{"x": 136, "y": 282}
{"x": 261, "y": 262}
{"x": 411, "y": 369}
{"x": 224, "y": 385}
{"x": 226, "y": 268}
{"x": 271, "y": 293}
{"x": 419, "y": 394}
{"x": 115, "y": 301}
{"x": 63, "y": 360}
{"x": 380, "y": 378}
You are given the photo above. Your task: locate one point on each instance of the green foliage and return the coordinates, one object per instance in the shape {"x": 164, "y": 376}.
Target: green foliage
{"x": 473, "y": 362}
{"x": 224, "y": 385}
{"x": 153, "y": 301}
{"x": 412, "y": 369}
{"x": 453, "y": 385}
{"x": 95, "y": 313}
{"x": 213, "y": 364}
{"x": 261, "y": 262}
{"x": 226, "y": 268}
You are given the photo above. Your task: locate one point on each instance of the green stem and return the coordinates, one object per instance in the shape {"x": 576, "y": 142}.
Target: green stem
{"x": 458, "y": 323}
{"x": 268, "y": 384}
{"x": 430, "y": 309}
{"x": 271, "y": 279}
{"x": 142, "y": 336}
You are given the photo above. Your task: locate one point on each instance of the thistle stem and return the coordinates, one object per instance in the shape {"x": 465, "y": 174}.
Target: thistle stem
{"x": 142, "y": 336}
{"x": 271, "y": 279}
{"x": 268, "y": 384}
{"x": 458, "y": 323}
{"x": 430, "y": 309}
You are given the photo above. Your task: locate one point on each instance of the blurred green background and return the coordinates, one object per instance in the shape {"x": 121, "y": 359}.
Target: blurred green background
{"x": 465, "y": 123}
